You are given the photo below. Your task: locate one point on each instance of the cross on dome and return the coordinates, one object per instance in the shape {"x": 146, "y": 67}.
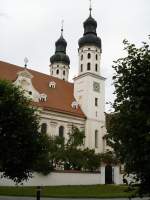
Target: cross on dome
{"x": 25, "y": 62}
{"x": 90, "y": 8}
{"x": 62, "y": 27}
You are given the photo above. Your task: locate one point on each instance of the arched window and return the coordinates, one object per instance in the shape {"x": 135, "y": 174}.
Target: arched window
{"x": 96, "y": 69}
{"x": 96, "y": 101}
{"x": 52, "y": 72}
{"x": 61, "y": 131}
{"x": 44, "y": 128}
{"x": 82, "y": 57}
{"x": 96, "y": 56}
{"x": 81, "y": 68}
{"x": 96, "y": 138}
{"x": 64, "y": 72}
{"x": 89, "y": 55}
{"x": 89, "y": 66}
{"x": 57, "y": 71}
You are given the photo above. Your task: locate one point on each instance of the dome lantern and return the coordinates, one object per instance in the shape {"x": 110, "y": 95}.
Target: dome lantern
{"x": 90, "y": 36}
{"x": 60, "y": 51}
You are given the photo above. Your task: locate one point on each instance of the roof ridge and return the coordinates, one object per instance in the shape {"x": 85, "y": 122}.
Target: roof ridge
{"x": 32, "y": 70}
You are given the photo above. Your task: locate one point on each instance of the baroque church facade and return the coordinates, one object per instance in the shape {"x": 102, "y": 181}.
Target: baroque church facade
{"x": 62, "y": 104}
{"x": 89, "y": 89}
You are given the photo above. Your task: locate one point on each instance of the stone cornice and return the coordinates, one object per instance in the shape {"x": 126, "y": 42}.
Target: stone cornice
{"x": 89, "y": 74}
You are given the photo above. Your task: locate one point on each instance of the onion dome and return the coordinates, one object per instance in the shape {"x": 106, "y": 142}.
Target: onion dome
{"x": 90, "y": 36}
{"x": 60, "y": 51}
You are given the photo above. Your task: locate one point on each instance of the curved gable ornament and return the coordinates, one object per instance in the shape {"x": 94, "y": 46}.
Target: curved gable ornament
{"x": 24, "y": 80}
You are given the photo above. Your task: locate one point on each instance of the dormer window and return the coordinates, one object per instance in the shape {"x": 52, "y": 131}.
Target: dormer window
{"x": 74, "y": 105}
{"x": 52, "y": 84}
{"x": 43, "y": 97}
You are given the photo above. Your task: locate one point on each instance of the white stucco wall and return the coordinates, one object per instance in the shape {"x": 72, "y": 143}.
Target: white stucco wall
{"x": 55, "y": 178}
{"x": 67, "y": 178}
{"x": 85, "y": 96}
{"x": 55, "y": 120}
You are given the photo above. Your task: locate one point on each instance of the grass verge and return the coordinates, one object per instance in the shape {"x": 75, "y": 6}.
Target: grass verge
{"x": 92, "y": 191}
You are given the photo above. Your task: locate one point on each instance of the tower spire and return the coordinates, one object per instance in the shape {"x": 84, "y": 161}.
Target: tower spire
{"x": 62, "y": 27}
{"x": 90, "y": 8}
{"x": 25, "y": 62}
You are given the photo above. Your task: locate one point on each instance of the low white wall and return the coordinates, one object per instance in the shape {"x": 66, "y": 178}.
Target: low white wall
{"x": 58, "y": 178}
{"x": 68, "y": 178}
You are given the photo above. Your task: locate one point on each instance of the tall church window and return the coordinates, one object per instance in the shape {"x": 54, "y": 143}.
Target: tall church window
{"x": 64, "y": 72}
{"x": 57, "y": 71}
{"x": 82, "y": 57}
{"x": 89, "y": 66}
{"x": 89, "y": 55}
{"x": 61, "y": 131}
{"x": 96, "y": 56}
{"x": 44, "y": 128}
{"x": 96, "y": 101}
{"x": 96, "y": 69}
{"x": 81, "y": 68}
{"x": 96, "y": 138}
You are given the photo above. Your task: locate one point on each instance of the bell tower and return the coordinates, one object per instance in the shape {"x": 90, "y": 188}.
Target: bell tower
{"x": 89, "y": 48}
{"x": 89, "y": 89}
{"x": 59, "y": 62}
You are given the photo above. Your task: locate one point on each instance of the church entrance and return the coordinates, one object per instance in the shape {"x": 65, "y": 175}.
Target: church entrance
{"x": 108, "y": 174}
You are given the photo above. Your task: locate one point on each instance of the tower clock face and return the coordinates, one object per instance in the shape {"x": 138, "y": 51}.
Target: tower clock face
{"x": 96, "y": 86}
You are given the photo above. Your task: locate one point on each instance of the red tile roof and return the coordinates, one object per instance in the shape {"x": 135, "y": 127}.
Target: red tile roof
{"x": 58, "y": 99}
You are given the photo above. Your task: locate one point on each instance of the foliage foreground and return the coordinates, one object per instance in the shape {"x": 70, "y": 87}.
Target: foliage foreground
{"x": 93, "y": 191}
{"x": 22, "y": 146}
{"x": 129, "y": 125}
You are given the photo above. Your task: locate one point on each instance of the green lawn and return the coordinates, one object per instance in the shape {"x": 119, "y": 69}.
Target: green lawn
{"x": 103, "y": 191}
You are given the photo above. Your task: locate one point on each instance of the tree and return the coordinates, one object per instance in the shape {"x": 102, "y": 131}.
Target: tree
{"x": 71, "y": 155}
{"x": 76, "y": 137}
{"x": 21, "y": 143}
{"x": 91, "y": 160}
{"x": 129, "y": 126}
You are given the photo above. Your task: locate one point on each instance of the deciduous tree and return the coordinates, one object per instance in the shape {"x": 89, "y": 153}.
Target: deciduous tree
{"x": 21, "y": 143}
{"x": 129, "y": 126}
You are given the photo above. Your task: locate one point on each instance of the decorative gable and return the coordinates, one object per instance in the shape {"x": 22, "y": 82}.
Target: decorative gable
{"x": 24, "y": 79}
{"x": 25, "y": 73}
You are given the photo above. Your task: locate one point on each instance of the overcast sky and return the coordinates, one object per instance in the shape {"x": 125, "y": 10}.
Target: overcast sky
{"x": 29, "y": 28}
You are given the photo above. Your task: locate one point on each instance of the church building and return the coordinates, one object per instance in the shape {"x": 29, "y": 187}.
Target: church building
{"x": 63, "y": 104}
